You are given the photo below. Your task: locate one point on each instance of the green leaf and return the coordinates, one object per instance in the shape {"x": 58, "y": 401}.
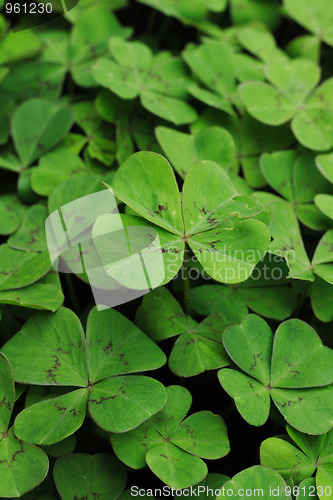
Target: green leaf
{"x": 81, "y": 475}
{"x": 119, "y": 404}
{"x": 203, "y": 434}
{"x": 114, "y": 346}
{"x": 313, "y": 125}
{"x": 212, "y": 62}
{"x": 209, "y": 299}
{"x": 22, "y": 466}
{"x": 188, "y": 12}
{"x": 285, "y": 459}
{"x": 212, "y": 143}
{"x": 308, "y": 410}
{"x": 152, "y": 192}
{"x": 266, "y": 104}
{"x": 169, "y": 446}
{"x": 31, "y": 235}
{"x": 313, "y": 16}
{"x": 306, "y": 363}
{"x": 295, "y": 378}
{"x": 168, "y": 462}
{"x": 19, "y": 45}
{"x": 251, "y": 397}
{"x": 245, "y": 11}
{"x": 54, "y": 168}
{"x": 230, "y": 252}
{"x": 135, "y": 254}
{"x": 7, "y": 393}
{"x": 48, "y": 125}
{"x": 202, "y": 205}
{"x": 11, "y": 213}
{"x": 19, "y": 269}
{"x": 89, "y": 40}
{"x": 54, "y": 345}
{"x": 161, "y": 82}
{"x": 51, "y": 421}
{"x": 325, "y": 203}
{"x": 250, "y": 346}
{"x": 43, "y": 294}
{"x": 287, "y": 239}
{"x": 325, "y": 166}
{"x": 321, "y": 300}
{"x": 263, "y": 480}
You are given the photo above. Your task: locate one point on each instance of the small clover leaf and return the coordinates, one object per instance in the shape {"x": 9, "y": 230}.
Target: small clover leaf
{"x": 100, "y": 365}
{"x": 198, "y": 347}
{"x": 22, "y": 466}
{"x": 297, "y": 377}
{"x": 173, "y": 447}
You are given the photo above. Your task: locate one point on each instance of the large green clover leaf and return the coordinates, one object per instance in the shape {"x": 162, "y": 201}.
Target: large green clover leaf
{"x": 291, "y": 95}
{"x": 161, "y": 81}
{"x": 213, "y": 219}
{"x": 100, "y": 365}
{"x": 172, "y": 446}
{"x": 22, "y": 465}
{"x": 293, "y": 368}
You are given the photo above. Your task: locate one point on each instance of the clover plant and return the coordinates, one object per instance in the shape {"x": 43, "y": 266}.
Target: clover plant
{"x": 196, "y": 138}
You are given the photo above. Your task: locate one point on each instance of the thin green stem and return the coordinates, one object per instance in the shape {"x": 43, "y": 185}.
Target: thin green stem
{"x": 186, "y": 285}
{"x": 72, "y": 294}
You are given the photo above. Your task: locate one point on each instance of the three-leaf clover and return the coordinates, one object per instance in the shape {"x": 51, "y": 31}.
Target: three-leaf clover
{"x": 299, "y": 461}
{"x": 51, "y": 350}
{"x": 161, "y": 81}
{"x": 291, "y": 95}
{"x": 208, "y": 216}
{"x": 172, "y": 446}
{"x": 199, "y": 345}
{"x": 22, "y": 465}
{"x": 292, "y": 367}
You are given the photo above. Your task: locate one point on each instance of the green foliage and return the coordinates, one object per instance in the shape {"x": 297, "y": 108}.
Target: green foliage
{"x": 22, "y": 465}
{"x": 293, "y": 368}
{"x": 172, "y": 446}
{"x": 100, "y": 365}
{"x": 212, "y": 123}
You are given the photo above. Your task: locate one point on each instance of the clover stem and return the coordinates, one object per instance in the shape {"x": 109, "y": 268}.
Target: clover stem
{"x": 72, "y": 294}
{"x": 186, "y": 284}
